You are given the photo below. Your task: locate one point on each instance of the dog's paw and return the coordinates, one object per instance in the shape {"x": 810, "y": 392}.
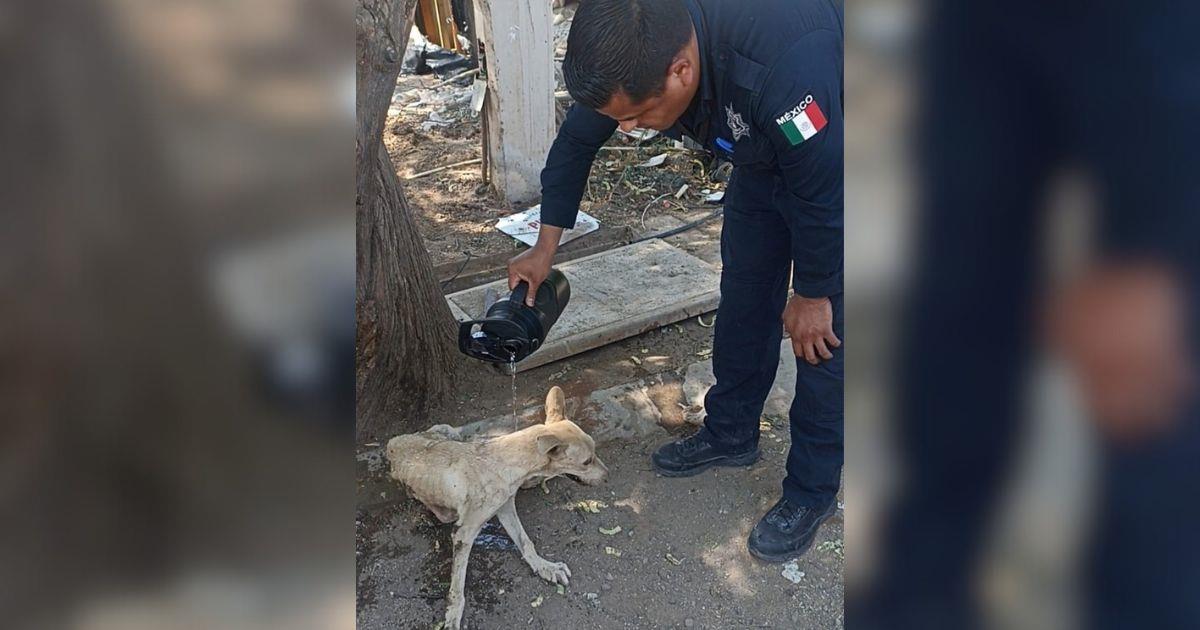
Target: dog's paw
{"x": 554, "y": 572}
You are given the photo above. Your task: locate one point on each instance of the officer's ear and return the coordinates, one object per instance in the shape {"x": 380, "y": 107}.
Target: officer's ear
{"x": 682, "y": 70}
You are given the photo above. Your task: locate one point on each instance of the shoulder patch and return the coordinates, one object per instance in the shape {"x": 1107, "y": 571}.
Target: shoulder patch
{"x": 803, "y": 121}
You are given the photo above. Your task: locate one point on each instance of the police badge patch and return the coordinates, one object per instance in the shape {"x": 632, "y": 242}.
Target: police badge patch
{"x": 736, "y": 125}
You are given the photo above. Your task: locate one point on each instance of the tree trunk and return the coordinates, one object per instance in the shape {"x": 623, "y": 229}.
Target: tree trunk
{"x": 405, "y": 343}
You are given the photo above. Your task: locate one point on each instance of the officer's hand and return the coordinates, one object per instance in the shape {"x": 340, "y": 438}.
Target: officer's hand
{"x": 532, "y": 266}
{"x": 1122, "y": 330}
{"x": 809, "y": 322}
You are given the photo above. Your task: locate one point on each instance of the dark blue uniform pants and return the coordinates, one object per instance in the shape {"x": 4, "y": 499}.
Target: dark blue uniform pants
{"x": 757, "y": 258}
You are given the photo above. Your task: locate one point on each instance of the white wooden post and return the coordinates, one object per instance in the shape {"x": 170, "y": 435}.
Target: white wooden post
{"x": 519, "y": 109}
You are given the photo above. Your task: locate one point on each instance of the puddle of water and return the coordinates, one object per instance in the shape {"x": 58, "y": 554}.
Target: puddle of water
{"x": 493, "y": 536}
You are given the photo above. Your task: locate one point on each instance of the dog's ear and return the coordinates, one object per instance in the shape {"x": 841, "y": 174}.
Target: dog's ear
{"x": 556, "y": 405}
{"x": 550, "y": 444}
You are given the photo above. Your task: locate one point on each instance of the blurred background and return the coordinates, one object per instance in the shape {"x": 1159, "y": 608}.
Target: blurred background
{"x": 176, "y": 342}
{"x": 1021, "y": 393}
{"x": 176, "y": 187}
{"x": 1028, "y": 569}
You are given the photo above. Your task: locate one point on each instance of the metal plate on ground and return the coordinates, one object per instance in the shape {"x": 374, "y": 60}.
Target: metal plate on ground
{"x": 615, "y": 295}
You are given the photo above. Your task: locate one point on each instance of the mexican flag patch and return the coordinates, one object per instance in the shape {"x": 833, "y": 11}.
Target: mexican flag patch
{"x": 803, "y": 121}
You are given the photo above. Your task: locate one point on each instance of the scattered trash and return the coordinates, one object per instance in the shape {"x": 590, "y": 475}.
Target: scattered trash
{"x": 654, "y": 161}
{"x": 436, "y": 119}
{"x": 763, "y": 425}
{"x": 722, "y": 173}
{"x": 705, "y": 353}
{"x": 673, "y": 560}
{"x": 610, "y": 531}
{"x": 716, "y": 197}
{"x": 700, "y": 320}
{"x": 560, "y": 589}
{"x": 612, "y": 552}
{"x": 537, "y": 602}
{"x": 493, "y": 537}
{"x": 445, "y": 168}
{"x": 639, "y": 134}
{"x": 478, "y": 91}
{"x": 425, "y": 57}
{"x": 453, "y": 78}
{"x": 836, "y": 547}
{"x": 591, "y": 597}
{"x": 682, "y": 189}
{"x": 439, "y": 625}
{"x": 524, "y": 226}
{"x": 792, "y": 572}
{"x": 545, "y": 490}
{"x": 636, "y": 361}
{"x": 645, "y": 350}
{"x": 587, "y": 505}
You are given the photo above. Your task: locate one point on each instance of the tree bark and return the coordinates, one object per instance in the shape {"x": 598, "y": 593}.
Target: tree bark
{"x": 405, "y": 345}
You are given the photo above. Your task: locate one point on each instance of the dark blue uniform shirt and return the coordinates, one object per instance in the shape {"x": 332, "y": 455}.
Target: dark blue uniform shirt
{"x": 770, "y": 101}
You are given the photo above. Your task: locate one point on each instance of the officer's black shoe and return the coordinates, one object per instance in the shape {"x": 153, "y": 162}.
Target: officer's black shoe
{"x": 787, "y": 531}
{"x": 692, "y": 455}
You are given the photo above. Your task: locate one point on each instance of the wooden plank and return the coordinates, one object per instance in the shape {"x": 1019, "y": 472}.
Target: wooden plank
{"x": 447, "y": 31}
{"x": 426, "y": 20}
{"x": 435, "y": 19}
{"x": 615, "y": 294}
{"x": 518, "y": 113}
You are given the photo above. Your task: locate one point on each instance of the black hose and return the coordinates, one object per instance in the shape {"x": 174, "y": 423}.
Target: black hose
{"x": 683, "y": 228}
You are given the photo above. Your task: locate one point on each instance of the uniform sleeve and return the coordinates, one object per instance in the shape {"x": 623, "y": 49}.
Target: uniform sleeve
{"x": 570, "y": 160}
{"x": 800, "y": 111}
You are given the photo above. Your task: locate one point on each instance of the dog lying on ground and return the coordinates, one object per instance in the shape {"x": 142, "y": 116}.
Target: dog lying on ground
{"x": 468, "y": 483}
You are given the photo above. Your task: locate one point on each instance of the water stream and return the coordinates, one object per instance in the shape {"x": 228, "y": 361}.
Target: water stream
{"x": 512, "y": 372}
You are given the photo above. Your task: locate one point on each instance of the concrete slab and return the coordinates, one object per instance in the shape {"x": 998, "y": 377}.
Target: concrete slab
{"x": 614, "y": 295}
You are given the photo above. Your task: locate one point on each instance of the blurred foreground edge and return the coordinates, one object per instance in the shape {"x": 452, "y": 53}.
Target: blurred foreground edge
{"x": 158, "y": 467}
{"x": 1012, "y": 94}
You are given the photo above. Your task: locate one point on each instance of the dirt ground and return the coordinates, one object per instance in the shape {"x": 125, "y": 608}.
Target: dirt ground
{"x": 700, "y": 522}
{"x": 683, "y": 561}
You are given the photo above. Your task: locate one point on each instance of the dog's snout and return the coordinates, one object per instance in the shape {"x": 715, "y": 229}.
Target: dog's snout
{"x": 597, "y": 472}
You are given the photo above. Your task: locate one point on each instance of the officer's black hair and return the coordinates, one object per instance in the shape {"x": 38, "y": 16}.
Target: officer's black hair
{"x": 623, "y": 44}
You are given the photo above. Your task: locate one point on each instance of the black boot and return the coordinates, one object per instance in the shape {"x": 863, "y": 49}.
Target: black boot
{"x": 692, "y": 455}
{"x": 787, "y": 531}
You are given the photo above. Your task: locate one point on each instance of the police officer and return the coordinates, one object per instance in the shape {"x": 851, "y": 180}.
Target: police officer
{"x": 760, "y": 84}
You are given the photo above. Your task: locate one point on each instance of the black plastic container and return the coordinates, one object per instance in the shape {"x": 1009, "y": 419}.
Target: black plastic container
{"x": 511, "y": 331}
